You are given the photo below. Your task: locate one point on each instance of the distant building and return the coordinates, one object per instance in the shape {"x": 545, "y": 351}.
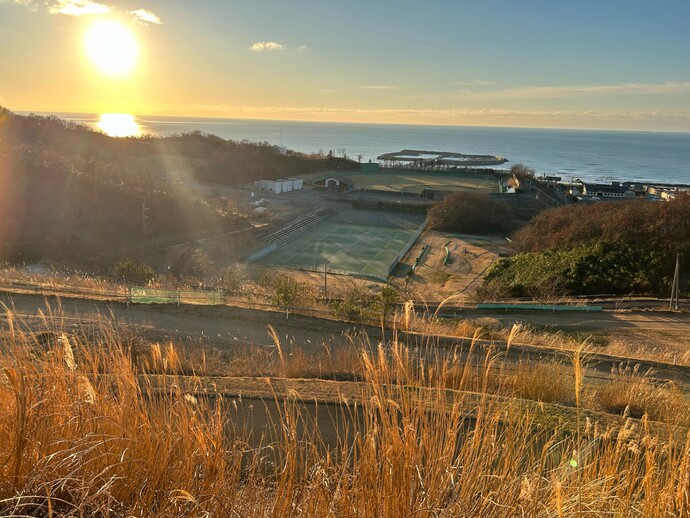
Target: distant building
{"x": 335, "y": 183}
{"x": 280, "y": 185}
{"x": 611, "y": 191}
{"x": 551, "y": 181}
{"x": 665, "y": 192}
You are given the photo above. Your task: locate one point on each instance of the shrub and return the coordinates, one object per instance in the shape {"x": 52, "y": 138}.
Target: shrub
{"x": 234, "y": 277}
{"x": 650, "y": 226}
{"x": 471, "y": 213}
{"x": 129, "y": 272}
{"x": 354, "y": 302}
{"x": 193, "y": 263}
{"x": 586, "y": 269}
{"x": 289, "y": 292}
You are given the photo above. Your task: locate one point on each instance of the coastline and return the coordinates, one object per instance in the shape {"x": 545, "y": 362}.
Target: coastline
{"x": 597, "y": 156}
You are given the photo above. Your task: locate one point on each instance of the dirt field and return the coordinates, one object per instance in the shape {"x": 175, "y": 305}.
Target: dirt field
{"x": 433, "y": 280}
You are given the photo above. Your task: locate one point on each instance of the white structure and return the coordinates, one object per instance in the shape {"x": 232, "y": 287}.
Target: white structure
{"x": 297, "y": 184}
{"x": 280, "y": 185}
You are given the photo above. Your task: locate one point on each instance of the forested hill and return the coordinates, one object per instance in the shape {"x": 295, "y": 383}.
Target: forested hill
{"x": 76, "y": 195}
{"x": 208, "y": 157}
{"x": 614, "y": 248}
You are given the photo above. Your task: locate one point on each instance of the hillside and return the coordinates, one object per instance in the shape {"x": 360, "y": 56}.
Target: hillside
{"x": 616, "y": 248}
{"x": 77, "y": 195}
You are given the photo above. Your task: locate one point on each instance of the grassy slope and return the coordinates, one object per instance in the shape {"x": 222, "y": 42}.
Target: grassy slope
{"x": 130, "y": 442}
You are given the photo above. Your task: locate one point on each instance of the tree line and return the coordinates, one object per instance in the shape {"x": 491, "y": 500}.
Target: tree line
{"x": 89, "y": 200}
{"x": 606, "y": 248}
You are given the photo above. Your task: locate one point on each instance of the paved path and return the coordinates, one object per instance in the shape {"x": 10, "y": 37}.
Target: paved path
{"x": 657, "y": 320}
{"x": 226, "y": 326}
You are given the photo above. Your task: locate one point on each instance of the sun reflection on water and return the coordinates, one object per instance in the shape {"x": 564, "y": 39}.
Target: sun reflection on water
{"x": 119, "y": 125}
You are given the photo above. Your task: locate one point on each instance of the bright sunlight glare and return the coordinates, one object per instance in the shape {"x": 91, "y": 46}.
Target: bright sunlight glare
{"x": 111, "y": 47}
{"x": 119, "y": 125}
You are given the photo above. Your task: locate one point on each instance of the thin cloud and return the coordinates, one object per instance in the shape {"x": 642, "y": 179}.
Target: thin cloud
{"x": 30, "y": 3}
{"x": 377, "y": 87}
{"x": 77, "y": 7}
{"x": 263, "y": 46}
{"x": 529, "y": 92}
{"x": 85, "y": 7}
{"x": 489, "y": 116}
{"x": 476, "y": 82}
{"x": 145, "y": 17}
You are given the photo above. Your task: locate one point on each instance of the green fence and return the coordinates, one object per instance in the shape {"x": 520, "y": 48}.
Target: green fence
{"x": 539, "y": 307}
{"x": 162, "y": 296}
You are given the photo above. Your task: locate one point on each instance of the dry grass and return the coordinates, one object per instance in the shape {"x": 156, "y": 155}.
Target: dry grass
{"x": 666, "y": 346}
{"x": 87, "y": 432}
{"x": 425, "y": 364}
{"x": 632, "y": 394}
{"x": 59, "y": 281}
{"x": 670, "y": 346}
{"x": 547, "y": 382}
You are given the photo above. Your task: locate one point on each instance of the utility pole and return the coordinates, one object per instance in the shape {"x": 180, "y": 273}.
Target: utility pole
{"x": 673, "y": 304}
{"x": 325, "y": 279}
{"x": 144, "y": 208}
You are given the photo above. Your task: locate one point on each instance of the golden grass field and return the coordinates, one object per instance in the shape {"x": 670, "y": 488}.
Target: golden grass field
{"x": 100, "y": 423}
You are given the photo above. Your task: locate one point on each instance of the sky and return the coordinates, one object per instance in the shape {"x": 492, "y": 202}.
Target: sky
{"x": 607, "y": 64}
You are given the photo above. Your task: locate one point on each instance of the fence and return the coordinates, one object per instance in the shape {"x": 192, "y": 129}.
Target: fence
{"x": 373, "y": 219}
{"x": 112, "y": 293}
{"x": 540, "y": 307}
{"x": 262, "y": 253}
{"x": 336, "y": 271}
{"x": 407, "y": 247}
{"x": 163, "y": 296}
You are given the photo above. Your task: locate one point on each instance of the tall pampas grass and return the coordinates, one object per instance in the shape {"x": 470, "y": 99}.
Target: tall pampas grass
{"x": 104, "y": 432}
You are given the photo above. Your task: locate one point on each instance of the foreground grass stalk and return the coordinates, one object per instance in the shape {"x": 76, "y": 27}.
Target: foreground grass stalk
{"x": 92, "y": 429}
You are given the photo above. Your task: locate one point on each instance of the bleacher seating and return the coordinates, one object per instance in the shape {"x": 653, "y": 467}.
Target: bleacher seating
{"x": 287, "y": 234}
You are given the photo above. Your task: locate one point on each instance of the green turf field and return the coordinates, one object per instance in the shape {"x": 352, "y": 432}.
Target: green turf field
{"x": 415, "y": 181}
{"x": 351, "y": 248}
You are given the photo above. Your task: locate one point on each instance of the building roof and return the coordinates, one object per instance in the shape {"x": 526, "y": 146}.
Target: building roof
{"x": 341, "y": 179}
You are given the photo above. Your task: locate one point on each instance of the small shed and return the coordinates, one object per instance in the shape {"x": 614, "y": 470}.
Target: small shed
{"x": 335, "y": 183}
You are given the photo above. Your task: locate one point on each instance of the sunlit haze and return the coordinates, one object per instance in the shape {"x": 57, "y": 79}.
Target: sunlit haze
{"x": 615, "y": 64}
{"x": 119, "y": 125}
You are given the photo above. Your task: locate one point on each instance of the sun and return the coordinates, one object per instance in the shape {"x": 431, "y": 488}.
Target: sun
{"x": 111, "y": 47}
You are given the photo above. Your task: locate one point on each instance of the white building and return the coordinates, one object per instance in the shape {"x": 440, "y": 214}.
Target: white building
{"x": 280, "y": 185}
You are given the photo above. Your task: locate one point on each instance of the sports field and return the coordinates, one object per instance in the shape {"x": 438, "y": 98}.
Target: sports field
{"x": 416, "y": 181}
{"x": 348, "y": 247}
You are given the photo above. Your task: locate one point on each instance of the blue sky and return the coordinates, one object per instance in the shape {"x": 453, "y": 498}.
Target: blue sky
{"x": 606, "y": 64}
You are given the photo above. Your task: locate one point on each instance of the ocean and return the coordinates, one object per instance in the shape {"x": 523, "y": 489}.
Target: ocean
{"x": 591, "y": 155}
